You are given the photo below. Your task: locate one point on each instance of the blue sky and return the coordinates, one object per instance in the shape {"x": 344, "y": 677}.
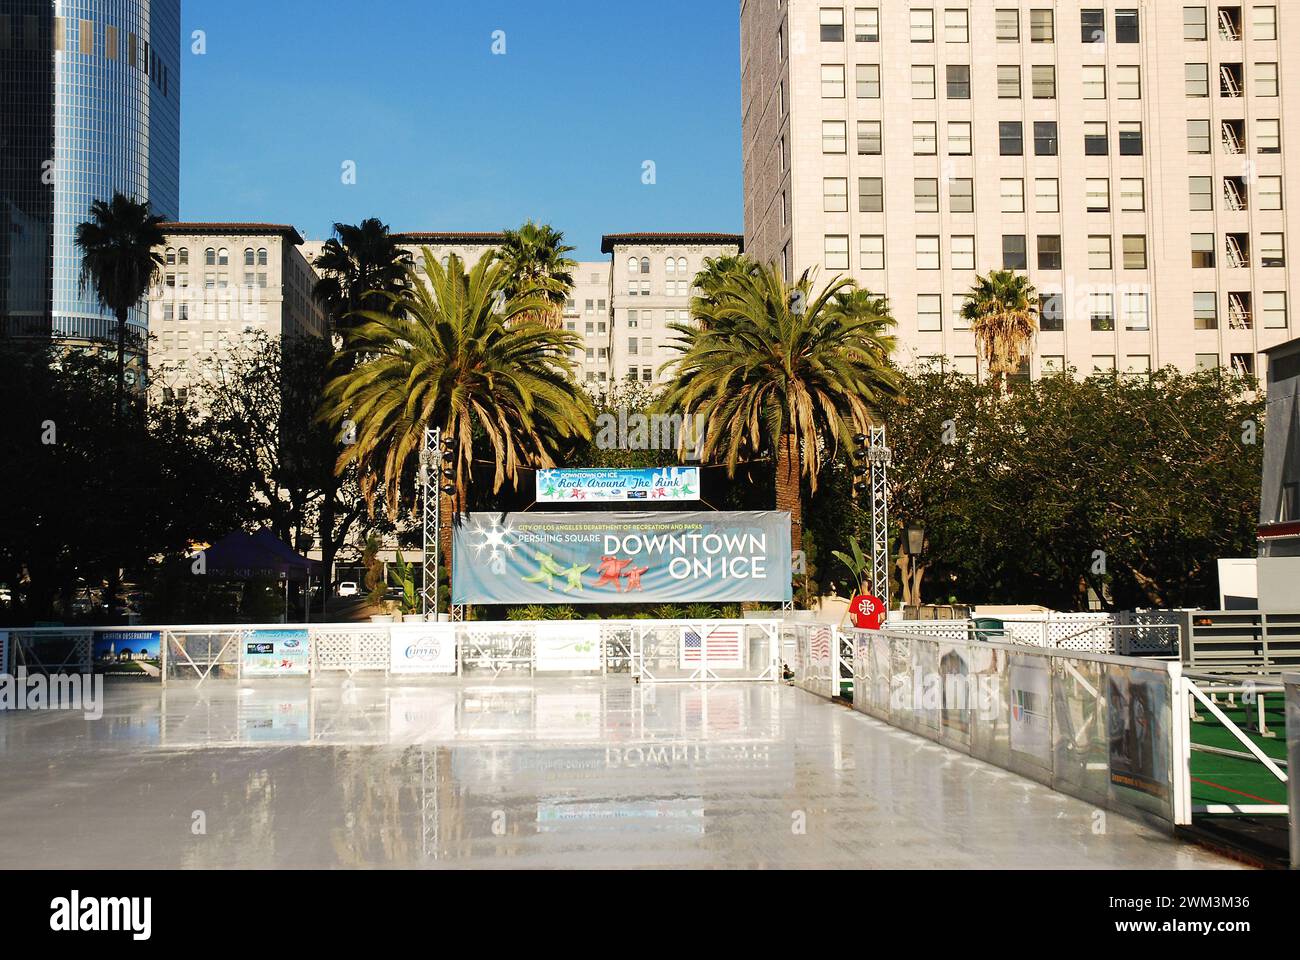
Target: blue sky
{"x": 447, "y": 136}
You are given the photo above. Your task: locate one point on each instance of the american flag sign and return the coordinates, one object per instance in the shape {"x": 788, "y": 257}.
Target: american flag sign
{"x": 723, "y": 643}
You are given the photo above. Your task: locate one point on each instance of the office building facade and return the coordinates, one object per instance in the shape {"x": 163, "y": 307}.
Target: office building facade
{"x": 1130, "y": 157}
{"x": 91, "y": 94}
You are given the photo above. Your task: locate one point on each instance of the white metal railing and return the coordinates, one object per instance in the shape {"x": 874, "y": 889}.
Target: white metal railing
{"x": 649, "y": 650}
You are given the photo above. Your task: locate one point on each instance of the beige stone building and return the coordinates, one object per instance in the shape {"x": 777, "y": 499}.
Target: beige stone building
{"x": 1130, "y": 156}
{"x": 651, "y": 282}
{"x": 221, "y": 282}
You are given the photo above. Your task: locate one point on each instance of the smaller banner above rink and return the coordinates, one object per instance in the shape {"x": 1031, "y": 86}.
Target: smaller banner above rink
{"x": 626, "y": 557}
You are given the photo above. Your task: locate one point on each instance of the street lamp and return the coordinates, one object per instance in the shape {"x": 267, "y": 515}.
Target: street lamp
{"x": 915, "y": 539}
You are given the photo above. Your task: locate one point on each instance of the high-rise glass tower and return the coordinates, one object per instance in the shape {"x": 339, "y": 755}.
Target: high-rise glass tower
{"x": 89, "y": 106}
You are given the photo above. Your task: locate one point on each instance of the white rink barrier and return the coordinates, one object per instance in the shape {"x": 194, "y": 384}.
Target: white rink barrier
{"x": 649, "y": 650}
{"x": 1103, "y": 728}
{"x": 1129, "y": 633}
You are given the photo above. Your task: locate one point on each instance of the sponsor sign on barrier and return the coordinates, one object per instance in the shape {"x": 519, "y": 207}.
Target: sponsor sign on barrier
{"x": 618, "y": 486}
{"x": 717, "y": 647}
{"x": 572, "y": 646}
{"x": 275, "y": 653}
{"x": 709, "y": 557}
{"x": 423, "y": 648}
{"x": 1135, "y": 712}
{"x": 128, "y": 653}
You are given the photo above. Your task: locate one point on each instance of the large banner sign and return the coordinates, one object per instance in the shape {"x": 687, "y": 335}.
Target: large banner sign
{"x": 621, "y": 557}
{"x": 275, "y": 653}
{"x": 618, "y": 486}
{"x": 423, "y": 647}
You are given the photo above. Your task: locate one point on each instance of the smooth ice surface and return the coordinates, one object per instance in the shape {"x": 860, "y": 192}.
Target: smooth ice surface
{"x": 567, "y": 773}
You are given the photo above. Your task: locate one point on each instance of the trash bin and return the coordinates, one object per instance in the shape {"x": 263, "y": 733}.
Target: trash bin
{"x": 989, "y": 628}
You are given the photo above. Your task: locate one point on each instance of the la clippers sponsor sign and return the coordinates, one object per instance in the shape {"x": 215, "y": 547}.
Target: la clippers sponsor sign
{"x": 423, "y": 648}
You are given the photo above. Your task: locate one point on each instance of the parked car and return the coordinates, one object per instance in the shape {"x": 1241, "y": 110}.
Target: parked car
{"x": 348, "y": 588}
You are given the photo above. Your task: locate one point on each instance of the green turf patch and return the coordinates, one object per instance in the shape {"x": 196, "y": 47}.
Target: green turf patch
{"x": 1219, "y": 779}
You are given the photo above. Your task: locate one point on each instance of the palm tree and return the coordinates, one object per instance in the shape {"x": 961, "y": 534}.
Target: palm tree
{"x": 359, "y": 267}
{"x": 714, "y": 275}
{"x": 1002, "y": 309}
{"x": 120, "y": 261}
{"x": 537, "y": 265}
{"x": 777, "y": 367}
{"x": 452, "y": 353}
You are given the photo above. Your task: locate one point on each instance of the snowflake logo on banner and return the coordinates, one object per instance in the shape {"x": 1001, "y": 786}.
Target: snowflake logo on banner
{"x": 495, "y": 538}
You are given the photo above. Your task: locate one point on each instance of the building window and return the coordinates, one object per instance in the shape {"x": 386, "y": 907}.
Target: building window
{"x": 1092, "y": 23}
{"x": 832, "y": 24}
{"x": 1045, "y": 138}
{"x": 1011, "y": 138}
{"x": 1128, "y": 82}
{"x": 1013, "y": 195}
{"x": 261, "y": 256}
{"x": 922, "y": 22}
{"x": 1198, "y": 136}
{"x": 1265, "y": 23}
{"x": 1130, "y": 138}
{"x": 250, "y": 258}
{"x": 956, "y": 26}
{"x": 923, "y": 82}
{"x": 1273, "y": 307}
{"x": 1194, "y": 23}
{"x": 927, "y": 253}
{"x": 1014, "y": 256}
{"x": 1136, "y": 316}
{"x": 961, "y": 195}
{"x": 1135, "y": 251}
{"x": 866, "y": 24}
{"x": 1047, "y": 195}
{"x": 1101, "y": 311}
{"x": 1009, "y": 81}
{"x": 1049, "y": 251}
{"x": 1094, "y": 81}
{"x": 926, "y": 195}
{"x": 1132, "y": 194}
{"x": 1266, "y": 79}
{"x": 1126, "y": 26}
{"x": 210, "y": 257}
{"x": 1205, "y": 310}
{"x": 871, "y": 251}
{"x": 869, "y": 137}
{"x": 871, "y": 194}
{"x": 963, "y": 252}
{"x": 833, "y": 136}
{"x": 929, "y": 312}
{"x": 868, "y": 81}
{"x": 1042, "y": 26}
{"x": 1272, "y": 251}
{"x": 1200, "y": 195}
{"x": 958, "y": 81}
{"x": 959, "y": 138}
{"x": 837, "y": 252}
{"x": 833, "y": 81}
{"x": 1196, "y": 79}
{"x": 1269, "y": 193}
{"x": 925, "y": 138}
{"x": 1099, "y": 251}
{"x": 1202, "y": 250}
{"x": 1044, "y": 81}
{"x": 1051, "y": 312}
{"x": 1096, "y": 142}
{"x": 835, "y": 195}
{"x": 1097, "y": 191}
{"x": 1268, "y": 136}
{"x": 1007, "y": 24}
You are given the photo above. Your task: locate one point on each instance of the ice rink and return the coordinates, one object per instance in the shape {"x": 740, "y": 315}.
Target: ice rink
{"x": 521, "y": 773}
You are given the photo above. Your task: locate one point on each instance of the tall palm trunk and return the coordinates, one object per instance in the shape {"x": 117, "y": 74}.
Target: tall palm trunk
{"x": 120, "y": 401}
{"x": 789, "y": 495}
{"x": 446, "y": 515}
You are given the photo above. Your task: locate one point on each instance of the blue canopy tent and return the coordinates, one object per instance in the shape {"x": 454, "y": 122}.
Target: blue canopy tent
{"x": 257, "y": 556}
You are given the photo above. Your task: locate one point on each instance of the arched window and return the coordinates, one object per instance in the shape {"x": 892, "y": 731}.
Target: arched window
{"x": 210, "y": 257}
{"x": 670, "y": 265}
{"x": 261, "y": 256}
{"x": 223, "y": 257}
{"x": 681, "y": 265}
{"x": 645, "y": 264}
{"x": 248, "y": 257}
{"x": 171, "y": 256}
{"x": 632, "y": 265}
{"x": 183, "y": 256}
